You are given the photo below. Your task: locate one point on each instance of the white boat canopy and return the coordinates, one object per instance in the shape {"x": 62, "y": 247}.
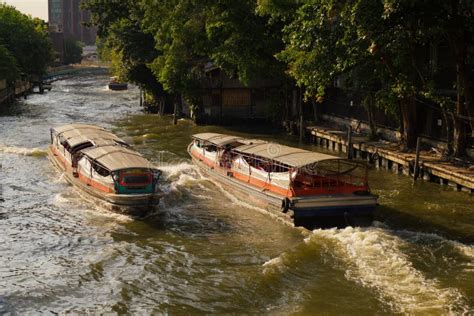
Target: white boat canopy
{"x": 293, "y": 157}
{"x": 109, "y": 151}
{"x": 70, "y": 127}
{"x": 217, "y": 139}
{"x": 76, "y": 134}
{"x": 290, "y": 156}
{"x": 117, "y": 158}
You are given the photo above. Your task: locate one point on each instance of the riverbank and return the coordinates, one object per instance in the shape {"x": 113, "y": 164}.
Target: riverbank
{"x": 20, "y": 89}
{"x": 387, "y": 155}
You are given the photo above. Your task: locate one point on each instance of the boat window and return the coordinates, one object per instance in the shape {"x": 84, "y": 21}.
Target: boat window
{"x": 79, "y": 147}
{"x": 100, "y": 170}
{"x": 331, "y": 173}
{"x": 210, "y": 148}
{"x": 265, "y": 165}
{"x": 66, "y": 146}
{"x": 136, "y": 179}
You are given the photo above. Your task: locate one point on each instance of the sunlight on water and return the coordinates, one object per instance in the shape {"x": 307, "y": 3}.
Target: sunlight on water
{"x": 375, "y": 259}
{"x": 203, "y": 250}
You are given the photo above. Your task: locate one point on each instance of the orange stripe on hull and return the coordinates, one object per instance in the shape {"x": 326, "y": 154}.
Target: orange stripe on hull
{"x": 84, "y": 179}
{"x": 259, "y": 184}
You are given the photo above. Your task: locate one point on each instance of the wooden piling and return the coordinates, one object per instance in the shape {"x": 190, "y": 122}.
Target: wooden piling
{"x": 416, "y": 170}
{"x": 349, "y": 142}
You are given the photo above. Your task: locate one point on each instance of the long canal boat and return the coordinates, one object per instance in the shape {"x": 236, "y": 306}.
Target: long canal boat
{"x": 104, "y": 166}
{"x": 303, "y": 187}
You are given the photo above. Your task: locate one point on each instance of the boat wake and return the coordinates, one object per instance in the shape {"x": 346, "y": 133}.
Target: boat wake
{"x": 178, "y": 176}
{"x": 35, "y": 152}
{"x": 75, "y": 199}
{"x": 375, "y": 259}
{"x": 241, "y": 203}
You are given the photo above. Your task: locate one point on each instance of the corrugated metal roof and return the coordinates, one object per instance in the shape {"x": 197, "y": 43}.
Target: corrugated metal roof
{"x": 293, "y": 157}
{"x": 217, "y": 139}
{"x": 69, "y": 127}
{"x": 117, "y": 157}
{"x": 107, "y": 149}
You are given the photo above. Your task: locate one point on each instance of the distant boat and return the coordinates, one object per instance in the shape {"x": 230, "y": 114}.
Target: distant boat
{"x": 300, "y": 186}
{"x": 104, "y": 166}
{"x": 116, "y": 85}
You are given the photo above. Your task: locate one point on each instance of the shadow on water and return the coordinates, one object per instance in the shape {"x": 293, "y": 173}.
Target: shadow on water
{"x": 398, "y": 219}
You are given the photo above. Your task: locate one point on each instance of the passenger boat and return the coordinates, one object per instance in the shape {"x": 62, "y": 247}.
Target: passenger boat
{"x": 116, "y": 85}
{"x": 303, "y": 187}
{"x": 104, "y": 166}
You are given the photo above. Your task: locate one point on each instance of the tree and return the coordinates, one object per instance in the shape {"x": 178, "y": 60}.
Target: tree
{"x": 325, "y": 39}
{"x": 72, "y": 51}
{"x": 26, "y": 39}
{"x": 8, "y": 67}
{"x": 190, "y": 35}
{"x": 125, "y": 43}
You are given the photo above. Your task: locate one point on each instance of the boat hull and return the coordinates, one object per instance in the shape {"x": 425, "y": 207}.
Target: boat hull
{"x": 129, "y": 204}
{"x": 314, "y": 211}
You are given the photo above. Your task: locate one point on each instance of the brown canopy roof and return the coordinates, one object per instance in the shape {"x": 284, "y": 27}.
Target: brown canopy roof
{"x": 69, "y": 127}
{"x": 217, "y": 139}
{"x": 293, "y": 157}
{"x": 117, "y": 157}
{"x": 107, "y": 149}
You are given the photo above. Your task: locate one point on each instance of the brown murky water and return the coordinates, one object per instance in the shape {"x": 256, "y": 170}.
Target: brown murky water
{"x": 205, "y": 252}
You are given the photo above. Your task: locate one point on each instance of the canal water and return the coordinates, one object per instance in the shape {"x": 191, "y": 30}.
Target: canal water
{"x": 204, "y": 251}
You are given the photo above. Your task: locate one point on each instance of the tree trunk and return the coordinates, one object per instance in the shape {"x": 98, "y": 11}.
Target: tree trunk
{"x": 409, "y": 118}
{"x": 370, "y": 116}
{"x": 449, "y": 132}
{"x": 175, "y": 110}
{"x": 459, "y": 124}
{"x": 315, "y": 110}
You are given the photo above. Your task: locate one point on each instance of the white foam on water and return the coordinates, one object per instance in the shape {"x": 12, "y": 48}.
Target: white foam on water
{"x": 466, "y": 250}
{"x": 374, "y": 259}
{"x": 178, "y": 176}
{"x": 203, "y": 197}
{"x": 241, "y": 203}
{"x": 23, "y": 151}
{"x": 170, "y": 171}
{"x": 463, "y": 249}
{"x": 85, "y": 203}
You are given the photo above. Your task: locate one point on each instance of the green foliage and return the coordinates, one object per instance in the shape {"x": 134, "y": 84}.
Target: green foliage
{"x": 377, "y": 49}
{"x": 72, "y": 51}
{"x": 124, "y": 43}
{"x": 173, "y": 41}
{"x": 8, "y": 67}
{"x": 26, "y": 39}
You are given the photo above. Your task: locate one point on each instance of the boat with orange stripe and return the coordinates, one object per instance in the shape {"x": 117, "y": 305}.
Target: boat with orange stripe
{"x": 303, "y": 187}
{"x": 104, "y": 166}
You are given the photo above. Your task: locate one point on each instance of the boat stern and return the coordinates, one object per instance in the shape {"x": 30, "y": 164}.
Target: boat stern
{"x": 334, "y": 210}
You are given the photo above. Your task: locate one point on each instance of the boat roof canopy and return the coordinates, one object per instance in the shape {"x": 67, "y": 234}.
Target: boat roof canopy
{"x": 108, "y": 150}
{"x": 76, "y": 134}
{"x": 217, "y": 139}
{"x": 117, "y": 157}
{"x": 70, "y": 127}
{"x": 293, "y": 157}
{"x": 290, "y": 156}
